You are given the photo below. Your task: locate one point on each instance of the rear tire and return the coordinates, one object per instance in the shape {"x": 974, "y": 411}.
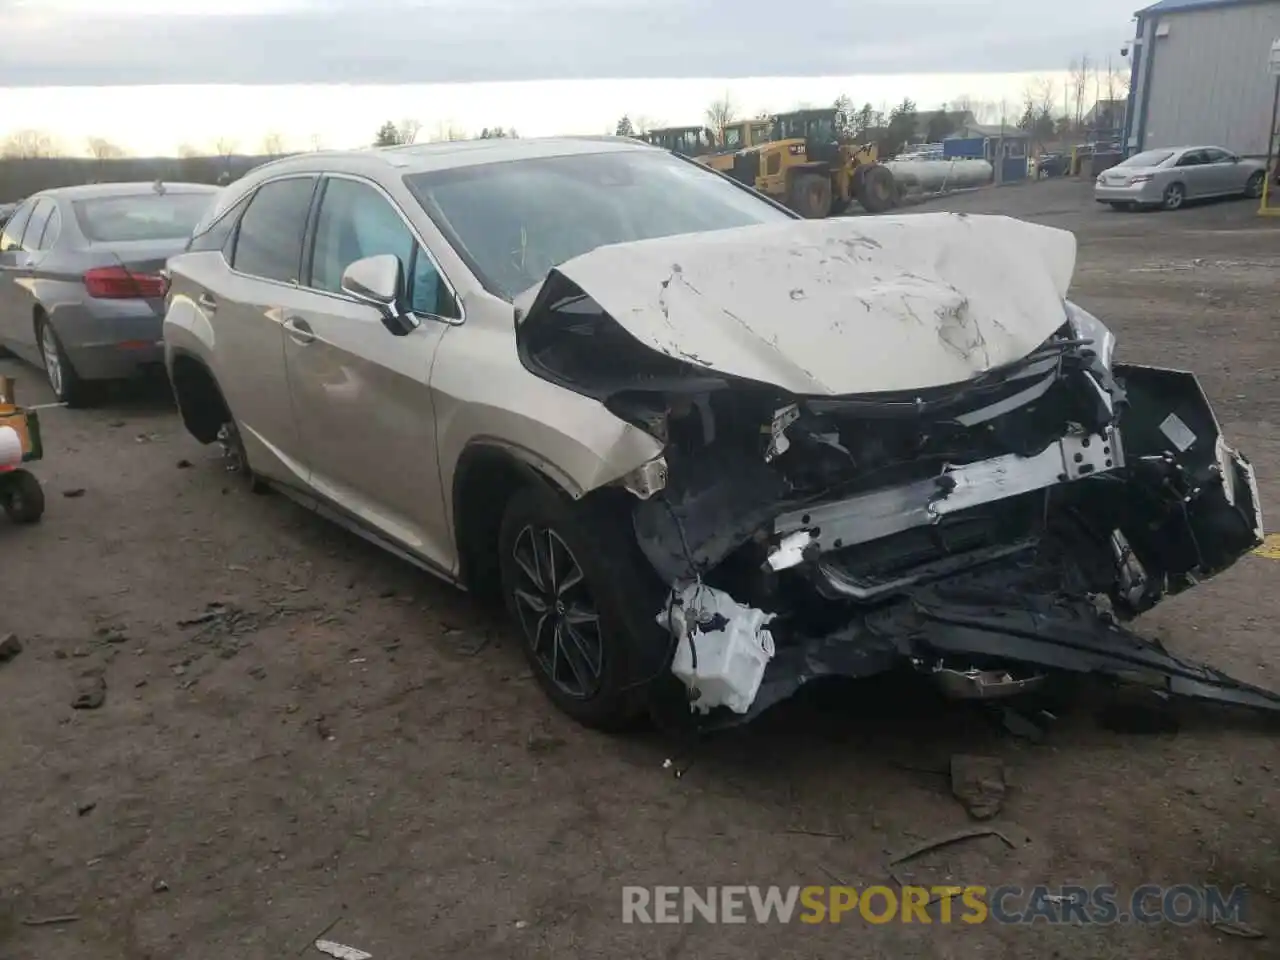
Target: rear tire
{"x": 1175, "y": 195}
{"x": 584, "y": 605}
{"x": 21, "y": 496}
{"x": 66, "y": 384}
{"x": 811, "y": 195}
{"x": 876, "y": 190}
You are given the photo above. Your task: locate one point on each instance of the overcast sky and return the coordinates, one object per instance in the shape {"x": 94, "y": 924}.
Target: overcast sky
{"x": 125, "y": 42}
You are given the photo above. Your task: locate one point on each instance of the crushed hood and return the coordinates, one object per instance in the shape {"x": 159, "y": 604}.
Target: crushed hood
{"x": 840, "y": 306}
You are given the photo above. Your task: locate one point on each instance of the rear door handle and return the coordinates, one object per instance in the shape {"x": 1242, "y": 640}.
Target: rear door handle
{"x": 207, "y": 302}
{"x": 299, "y": 330}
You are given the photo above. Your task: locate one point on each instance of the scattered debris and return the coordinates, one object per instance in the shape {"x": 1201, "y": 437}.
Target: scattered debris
{"x": 91, "y": 691}
{"x": 979, "y": 784}
{"x": 341, "y": 950}
{"x": 10, "y": 647}
{"x": 323, "y": 728}
{"x": 85, "y": 808}
{"x": 184, "y": 464}
{"x": 948, "y": 840}
{"x": 50, "y": 921}
{"x": 74, "y": 494}
{"x": 521, "y": 924}
{"x": 159, "y": 886}
{"x": 224, "y": 626}
{"x": 1238, "y": 928}
{"x": 257, "y": 672}
{"x": 112, "y": 634}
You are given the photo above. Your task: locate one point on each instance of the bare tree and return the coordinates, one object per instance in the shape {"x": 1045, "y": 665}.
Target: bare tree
{"x": 445, "y": 132}
{"x": 408, "y": 130}
{"x": 317, "y": 142}
{"x": 1078, "y": 81}
{"x": 187, "y": 151}
{"x": 642, "y": 124}
{"x": 27, "y": 144}
{"x": 1115, "y": 81}
{"x": 101, "y": 148}
{"x": 273, "y": 144}
{"x": 964, "y": 104}
{"x": 721, "y": 113}
{"x": 226, "y": 146}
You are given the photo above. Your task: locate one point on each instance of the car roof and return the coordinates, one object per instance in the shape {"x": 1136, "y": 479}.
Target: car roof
{"x": 91, "y": 191}
{"x": 427, "y": 157}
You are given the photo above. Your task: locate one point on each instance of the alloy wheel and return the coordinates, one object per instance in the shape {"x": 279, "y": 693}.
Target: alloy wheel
{"x": 557, "y": 612}
{"x": 1173, "y": 197}
{"x": 52, "y": 358}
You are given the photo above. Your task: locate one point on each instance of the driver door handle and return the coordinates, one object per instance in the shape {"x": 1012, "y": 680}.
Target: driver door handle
{"x": 299, "y": 330}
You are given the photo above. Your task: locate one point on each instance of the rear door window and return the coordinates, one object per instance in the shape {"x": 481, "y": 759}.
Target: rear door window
{"x": 268, "y": 243}
{"x": 35, "y": 226}
{"x": 51, "y": 230}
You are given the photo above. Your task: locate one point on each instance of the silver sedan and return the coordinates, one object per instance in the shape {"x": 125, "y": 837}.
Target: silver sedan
{"x": 1170, "y": 176}
{"x": 81, "y": 283}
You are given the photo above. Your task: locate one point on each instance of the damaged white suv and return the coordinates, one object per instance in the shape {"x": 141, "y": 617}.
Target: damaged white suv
{"x": 684, "y": 433}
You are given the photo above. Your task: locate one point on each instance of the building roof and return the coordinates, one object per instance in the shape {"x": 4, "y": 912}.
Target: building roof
{"x": 1178, "y": 6}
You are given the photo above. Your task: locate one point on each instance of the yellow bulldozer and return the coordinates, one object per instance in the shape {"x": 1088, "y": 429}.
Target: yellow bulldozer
{"x": 805, "y": 166}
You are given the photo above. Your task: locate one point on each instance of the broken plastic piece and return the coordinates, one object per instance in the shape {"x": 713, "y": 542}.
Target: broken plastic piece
{"x": 647, "y": 479}
{"x": 341, "y": 950}
{"x": 790, "y": 552}
{"x": 722, "y": 649}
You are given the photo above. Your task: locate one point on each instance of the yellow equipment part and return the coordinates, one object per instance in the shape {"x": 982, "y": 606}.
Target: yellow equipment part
{"x": 807, "y": 168}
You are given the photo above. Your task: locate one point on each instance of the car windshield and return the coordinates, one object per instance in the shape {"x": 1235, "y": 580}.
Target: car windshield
{"x": 144, "y": 216}
{"x": 513, "y": 222}
{"x": 1152, "y": 158}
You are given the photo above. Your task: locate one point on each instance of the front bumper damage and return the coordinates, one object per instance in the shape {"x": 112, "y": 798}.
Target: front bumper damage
{"x": 989, "y": 576}
{"x": 989, "y": 534}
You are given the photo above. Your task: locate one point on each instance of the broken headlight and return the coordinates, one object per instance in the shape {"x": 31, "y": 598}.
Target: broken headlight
{"x": 1087, "y": 326}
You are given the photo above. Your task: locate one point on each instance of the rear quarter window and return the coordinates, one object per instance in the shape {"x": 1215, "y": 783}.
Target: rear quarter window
{"x": 119, "y": 219}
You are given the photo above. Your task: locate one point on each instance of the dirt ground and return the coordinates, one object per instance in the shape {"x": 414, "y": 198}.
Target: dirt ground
{"x": 341, "y": 743}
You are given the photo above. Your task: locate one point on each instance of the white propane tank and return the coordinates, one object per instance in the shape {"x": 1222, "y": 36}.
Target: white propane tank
{"x": 931, "y": 176}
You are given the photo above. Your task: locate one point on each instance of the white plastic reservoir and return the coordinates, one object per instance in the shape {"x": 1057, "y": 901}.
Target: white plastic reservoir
{"x": 722, "y": 650}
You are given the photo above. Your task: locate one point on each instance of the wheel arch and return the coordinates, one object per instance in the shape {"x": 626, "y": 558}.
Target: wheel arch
{"x": 195, "y": 389}
{"x": 488, "y": 474}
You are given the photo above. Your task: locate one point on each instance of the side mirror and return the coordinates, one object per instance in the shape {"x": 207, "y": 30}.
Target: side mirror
{"x": 379, "y": 282}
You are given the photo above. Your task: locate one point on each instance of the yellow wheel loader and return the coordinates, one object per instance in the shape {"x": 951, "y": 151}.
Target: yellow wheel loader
{"x": 805, "y": 166}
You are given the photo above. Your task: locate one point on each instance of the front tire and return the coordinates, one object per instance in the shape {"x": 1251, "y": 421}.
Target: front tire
{"x": 584, "y": 605}
{"x": 811, "y": 195}
{"x": 876, "y": 189}
{"x": 1253, "y": 189}
{"x": 21, "y": 496}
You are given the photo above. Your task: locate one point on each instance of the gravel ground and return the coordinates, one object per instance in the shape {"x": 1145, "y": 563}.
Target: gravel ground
{"x": 300, "y": 733}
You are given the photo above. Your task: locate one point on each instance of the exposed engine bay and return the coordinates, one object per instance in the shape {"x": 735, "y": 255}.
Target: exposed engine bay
{"x": 988, "y": 532}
